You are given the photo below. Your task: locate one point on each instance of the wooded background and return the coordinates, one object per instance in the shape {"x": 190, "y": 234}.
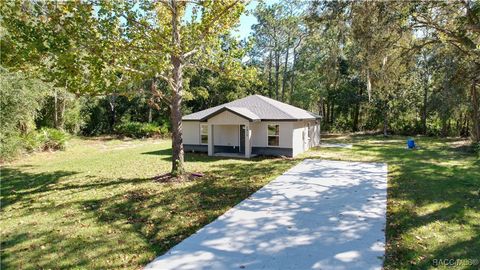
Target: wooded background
{"x": 135, "y": 67}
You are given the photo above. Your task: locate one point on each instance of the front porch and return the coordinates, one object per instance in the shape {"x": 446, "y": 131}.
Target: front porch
{"x": 229, "y": 140}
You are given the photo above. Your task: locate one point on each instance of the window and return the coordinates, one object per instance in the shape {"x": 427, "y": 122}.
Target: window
{"x": 204, "y": 134}
{"x": 273, "y": 135}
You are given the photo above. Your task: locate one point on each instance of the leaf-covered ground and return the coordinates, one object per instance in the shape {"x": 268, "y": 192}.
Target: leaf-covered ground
{"x": 94, "y": 206}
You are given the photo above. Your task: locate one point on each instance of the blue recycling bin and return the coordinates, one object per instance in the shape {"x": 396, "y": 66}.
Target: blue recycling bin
{"x": 410, "y": 144}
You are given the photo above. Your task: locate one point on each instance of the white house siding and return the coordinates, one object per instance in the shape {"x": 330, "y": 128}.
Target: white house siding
{"x": 226, "y": 135}
{"x": 297, "y": 138}
{"x": 227, "y": 118}
{"x": 304, "y": 137}
{"x": 294, "y": 135}
{"x": 260, "y": 134}
{"x": 191, "y": 132}
{"x": 315, "y": 133}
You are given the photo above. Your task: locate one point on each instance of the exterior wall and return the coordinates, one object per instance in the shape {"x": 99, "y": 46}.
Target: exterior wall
{"x": 298, "y": 140}
{"x": 191, "y": 132}
{"x": 260, "y": 134}
{"x": 305, "y": 137}
{"x": 226, "y": 135}
{"x": 227, "y": 118}
{"x": 314, "y": 133}
{"x": 295, "y": 137}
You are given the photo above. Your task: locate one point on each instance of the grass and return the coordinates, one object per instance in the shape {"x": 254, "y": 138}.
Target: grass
{"x": 94, "y": 206}
{"x": 433, "y": 209}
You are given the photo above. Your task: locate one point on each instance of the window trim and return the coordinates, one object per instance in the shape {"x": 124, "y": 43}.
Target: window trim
{"x": 278, "y": 136}
{"x": 202, "y": 134}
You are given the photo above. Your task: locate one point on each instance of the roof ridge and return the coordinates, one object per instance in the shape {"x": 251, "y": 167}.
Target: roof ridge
{"x": 269, "y": 100}
{"x": 257, "y": 106}
{"x": 266, "y": 100}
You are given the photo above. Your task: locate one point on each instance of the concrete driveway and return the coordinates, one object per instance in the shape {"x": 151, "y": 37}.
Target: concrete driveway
{"x": 320, "y": 214}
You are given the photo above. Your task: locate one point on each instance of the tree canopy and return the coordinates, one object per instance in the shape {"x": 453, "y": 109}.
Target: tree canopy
{"x": 394, "y": 67}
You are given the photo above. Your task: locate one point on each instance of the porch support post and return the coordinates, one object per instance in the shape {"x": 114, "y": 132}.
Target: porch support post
{"x": 248, "y": 140}
{"x": 210, "y": 139}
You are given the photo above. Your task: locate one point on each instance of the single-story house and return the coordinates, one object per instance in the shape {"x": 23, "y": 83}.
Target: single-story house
{"x": 254, "y": 125}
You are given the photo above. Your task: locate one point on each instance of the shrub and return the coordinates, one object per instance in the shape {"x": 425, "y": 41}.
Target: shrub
{"x": 21, "y": 96}
{"x": 476, "y": 148}
{"x": 140, "y": 130}
{"x": 10, "y": 146}
{"x": 31, "y": 141}
{"x": 52, "y": 139}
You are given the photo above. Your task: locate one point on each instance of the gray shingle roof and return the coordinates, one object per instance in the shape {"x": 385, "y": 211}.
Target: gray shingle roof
{"x": 254, "y": 108}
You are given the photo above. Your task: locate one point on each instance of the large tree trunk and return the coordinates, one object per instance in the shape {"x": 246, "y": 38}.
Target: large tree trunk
{"x": 277, "y": 72}
{"x": 176, "y": 101}
{"x": 475, "y": 113}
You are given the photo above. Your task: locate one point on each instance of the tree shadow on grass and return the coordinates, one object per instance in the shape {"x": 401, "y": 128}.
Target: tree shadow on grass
{"x": 424, "y": 179}
{"x": 162, "y": 152}
{"x": 201, "y": 157}
{"x": 163, "y": 217}
{"x": 20, "y": 186}
{"x": 421, "y": 180}
{"x": 147, "y": 219}
{"x": 423, "y": 184}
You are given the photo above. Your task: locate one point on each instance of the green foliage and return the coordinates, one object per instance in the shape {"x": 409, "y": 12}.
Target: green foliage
{"x": 11, "y": 145}
{"x": 476, "y": 148}
{"x": 45, "y": 139}
{"x": 21, "y": 97}
{"x": 74, "y": 119}
{"x": 140, "y": 130}
{"x": 52, "y": 139}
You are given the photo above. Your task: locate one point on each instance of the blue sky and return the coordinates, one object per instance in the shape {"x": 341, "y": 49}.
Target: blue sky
{"x": 246, "y": 20}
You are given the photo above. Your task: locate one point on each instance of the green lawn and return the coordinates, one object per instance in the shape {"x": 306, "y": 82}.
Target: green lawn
{"x": 433, "y": 198}
{"x": 95, "y": 206}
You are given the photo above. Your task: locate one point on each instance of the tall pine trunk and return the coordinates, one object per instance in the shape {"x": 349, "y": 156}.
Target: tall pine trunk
{"x": 270, "y": 60}
{"x": 285, "y": 70}
{"x": 277, "y": 72}
{"x": 292, "y": 79}
{"x": 178, "y": 167}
